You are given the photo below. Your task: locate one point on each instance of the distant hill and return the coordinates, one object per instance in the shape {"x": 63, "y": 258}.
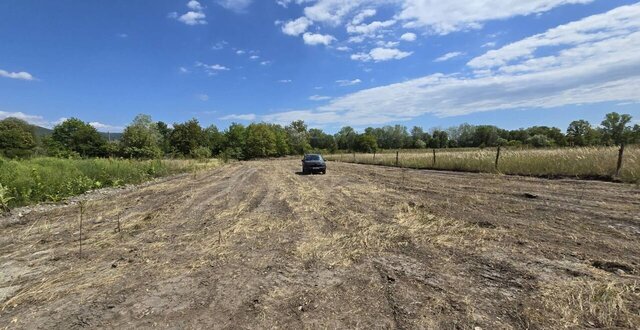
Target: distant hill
{"x": 43, "y": 131}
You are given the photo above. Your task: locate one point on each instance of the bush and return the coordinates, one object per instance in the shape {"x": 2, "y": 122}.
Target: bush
{"x": 201, "y": 153}
{"x": 51, "y": 179}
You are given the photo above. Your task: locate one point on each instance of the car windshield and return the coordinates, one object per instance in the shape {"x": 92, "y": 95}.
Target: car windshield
{"x": 312, "y": 157}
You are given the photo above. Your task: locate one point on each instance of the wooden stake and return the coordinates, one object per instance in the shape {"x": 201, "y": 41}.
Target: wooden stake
{"x": 497, "y": 157}
{"x": 620, "y": 156}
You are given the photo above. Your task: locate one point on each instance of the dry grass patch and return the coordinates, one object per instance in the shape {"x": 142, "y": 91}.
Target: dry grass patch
{"x": 588, "y": 303}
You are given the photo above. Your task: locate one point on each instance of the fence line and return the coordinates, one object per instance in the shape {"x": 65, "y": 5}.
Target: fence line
{"x": 606, "y": 163}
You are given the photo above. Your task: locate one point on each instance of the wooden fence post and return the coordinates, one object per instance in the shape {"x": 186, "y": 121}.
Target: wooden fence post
{"x": 434, "y": 157}
{"x": 397, "y": 158}
{"x": 620, "y": 155}
{"x": 497, "y": 157}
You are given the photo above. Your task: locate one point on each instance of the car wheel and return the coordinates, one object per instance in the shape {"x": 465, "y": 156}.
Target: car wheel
{"x": 324, "y": 172}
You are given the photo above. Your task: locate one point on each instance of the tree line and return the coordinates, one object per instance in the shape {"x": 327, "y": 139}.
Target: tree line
{"x": 145, "y": 138}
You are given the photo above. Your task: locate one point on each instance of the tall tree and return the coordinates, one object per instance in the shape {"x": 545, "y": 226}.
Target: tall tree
{"x": 142, "y": 138}
{"x": 187, "y": 137}
{"x": 260, "y": 141}
{"x": 615, "y": 129}
{"x": 298, "y": 137}
{"x": 579, "y": 133}
{"x": 17, "y": 138}
{"x": 234, "y": 141}
{"x": 80, "y": 137}
{"x": 346, "y": 138}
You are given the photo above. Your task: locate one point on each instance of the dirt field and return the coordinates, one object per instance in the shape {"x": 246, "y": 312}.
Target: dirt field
{"x": 256, "y": 245}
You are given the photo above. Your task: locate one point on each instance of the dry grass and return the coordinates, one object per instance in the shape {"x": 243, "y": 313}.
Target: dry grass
{"x": 589, "y": 303}
{"x": 591, "y": 162}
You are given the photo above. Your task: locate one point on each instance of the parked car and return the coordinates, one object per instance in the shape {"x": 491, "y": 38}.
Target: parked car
{"x": 313, "y": 163}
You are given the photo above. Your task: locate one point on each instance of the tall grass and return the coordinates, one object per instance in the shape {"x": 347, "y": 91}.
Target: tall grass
{"x": 590, "y": 162}
{"x": 52, "y": 179}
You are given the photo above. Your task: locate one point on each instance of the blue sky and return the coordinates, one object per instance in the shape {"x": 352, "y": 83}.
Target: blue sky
{"x": 329, "y": 62}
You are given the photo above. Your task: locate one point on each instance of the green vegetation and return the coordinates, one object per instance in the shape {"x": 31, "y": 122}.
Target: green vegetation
{"x": 147, "y": 139}
{"x": 52, "y": 179}
{"x": 583, "y": 162}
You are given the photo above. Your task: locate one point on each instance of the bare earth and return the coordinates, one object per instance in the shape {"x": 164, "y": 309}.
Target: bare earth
{"x": 255, "y": 245}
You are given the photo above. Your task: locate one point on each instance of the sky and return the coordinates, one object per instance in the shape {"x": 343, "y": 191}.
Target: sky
{"x": 331, "y": 63}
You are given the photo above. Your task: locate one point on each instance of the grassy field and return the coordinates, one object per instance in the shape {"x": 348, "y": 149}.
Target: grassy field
{"x": 593, "y": 162}
{"x": 36, "y": 180}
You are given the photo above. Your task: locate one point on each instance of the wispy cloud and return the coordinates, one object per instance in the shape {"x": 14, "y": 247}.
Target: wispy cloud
{"x": 243, "y": 117}
{"x": 592, "y": 60}
{"x": 319, "y": 98}
{"x": 16, "y": 75}
{"x": 344, "y": 82}
{"x": 448, "y": 56}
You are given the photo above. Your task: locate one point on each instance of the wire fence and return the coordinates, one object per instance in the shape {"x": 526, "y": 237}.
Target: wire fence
{"x": 607, "y": 163}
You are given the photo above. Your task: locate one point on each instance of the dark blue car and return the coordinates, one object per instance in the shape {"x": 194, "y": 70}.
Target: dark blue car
{"x": 313, "y": 163}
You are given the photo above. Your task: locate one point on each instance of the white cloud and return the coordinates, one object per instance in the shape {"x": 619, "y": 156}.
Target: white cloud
{"x": 265, "y": 63}
{"x": 195, "y": 16}
{"x": 490, "y": 44}
{"x": 409, "y": 36}
{"x": 444, "y": 17}
{"x": 219, "y": 45}
{"x": 42, "y": 122}
{"x": 202, "y": 97}
{"x": 240, "y": 52}
{"x": 238, "y": 6}
{"x": 285, "y": 81}
{"x": 254, "y": 57}
{"x": 244, "y": 117}
{"x": 593, "y": 60}
{"x": 105, "y": 127}
{"x": 211, "y": 69}
{"x": 369, "y": 29}
{"x": 296, "y": 27}
{"x": 319, "y": 98}
{"x": 122, "y": 35}
{"x": 615, "y": 25}
{"x": 448, "y": 56}
{"x": 194, "y": 5}
{"x": 317, "y": 39}
{"x": 343, "y": 49}
{"x": 381, "y": 54}
{"x": 32, "y": 119}
{"x": 183, "y": 70}
{"x": 348, "y": 82}
{"x": 16, "y": 75}
{"x": 359, "y": 18}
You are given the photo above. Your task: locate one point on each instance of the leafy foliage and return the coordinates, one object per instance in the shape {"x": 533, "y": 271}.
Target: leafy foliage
{"x": 17, "y": 138}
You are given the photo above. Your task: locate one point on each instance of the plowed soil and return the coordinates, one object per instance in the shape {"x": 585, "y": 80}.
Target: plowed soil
{"x": 257, "y": 245}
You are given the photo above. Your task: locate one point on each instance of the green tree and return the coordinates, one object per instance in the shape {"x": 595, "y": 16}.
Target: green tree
{"x": 555, "y": 135}
{"x": 187, "y": 137}
{"x": 17, "y": 138}
{"x": 80, "y": 137}
{"x": 346, "y": 138}
{"x": 282, "y": 140}
{"x": 367, "y": 143}
{"x": 485, "y": 136}
{"x": 142, "y": 139}
{"x": 439, "y": 139}
{"x": 164, "y": 132}
{"x": 234, "y": 141}
{"x": 298, "y": 137}
{"x": 615, "y": 129}
{"x": 321, "y": 140}
{"x": 540, "y": 141}
{"x": 215, "y": 139}
{"x": 580, "y": 133}
{"x": 260, "y": 141}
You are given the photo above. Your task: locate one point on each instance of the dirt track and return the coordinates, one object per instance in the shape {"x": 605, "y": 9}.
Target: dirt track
{"x": 255, "y": 245}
